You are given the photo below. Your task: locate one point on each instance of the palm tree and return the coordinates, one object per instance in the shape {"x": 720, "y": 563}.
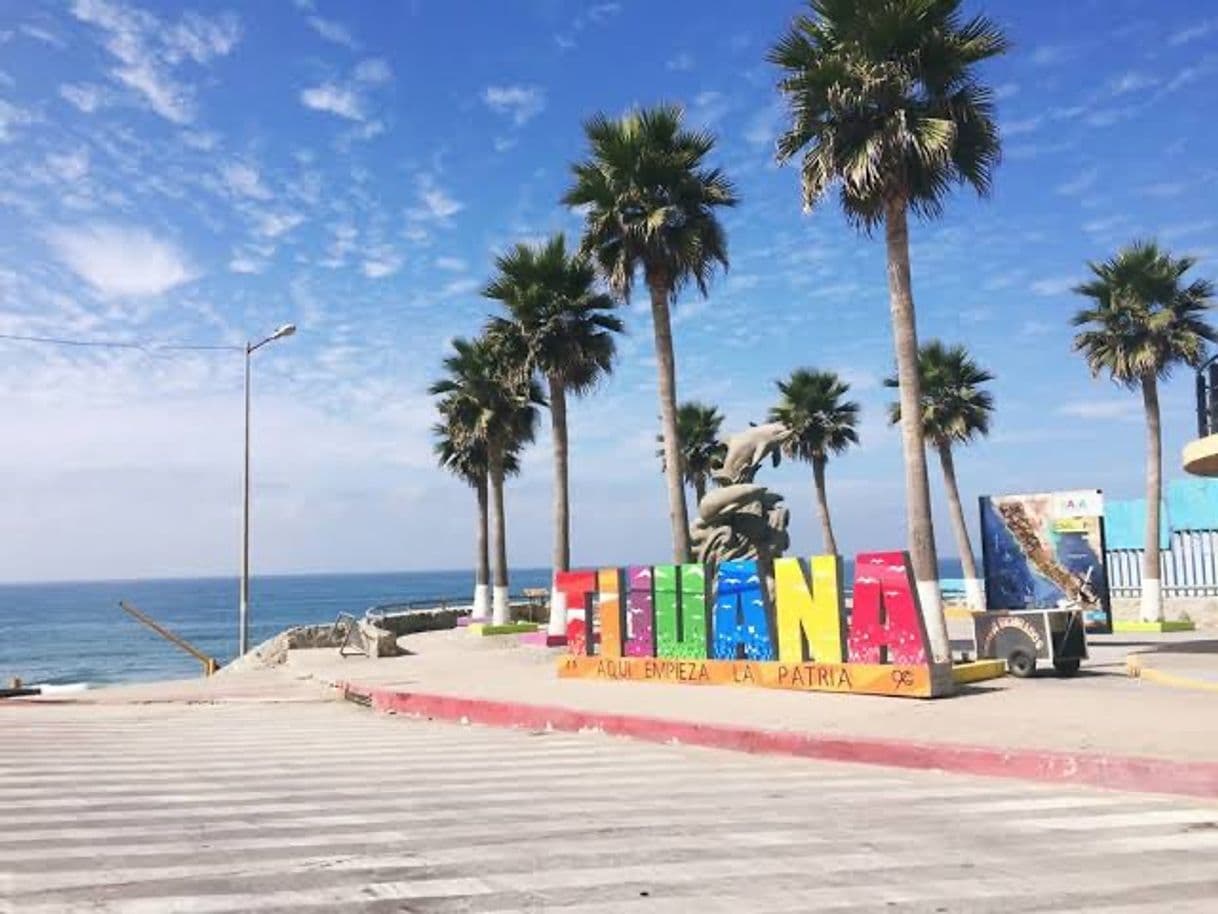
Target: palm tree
{"x": 566, "y": 328}
{"x": 465, "y": 457}
{"x": 699, "y": 445}
{"x": 885, "y": 106}
{"x": 650, "y": 201}
{"x": 811, "y": 405}
{"x": 497, "y": 407}
{"x": 955, "y": 410}
{"x": 1144, "y": 321}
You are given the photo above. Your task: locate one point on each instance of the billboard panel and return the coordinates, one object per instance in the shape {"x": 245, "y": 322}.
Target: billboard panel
{"x": 1045, "y": 550}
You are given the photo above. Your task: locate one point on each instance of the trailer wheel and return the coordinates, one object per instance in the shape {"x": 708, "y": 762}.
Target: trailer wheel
{"x": 1021, "y": 663}
{"x": 1066, "y": 667}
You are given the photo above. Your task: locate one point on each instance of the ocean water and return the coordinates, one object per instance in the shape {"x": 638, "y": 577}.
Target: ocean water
{"x": 75, "y": 632}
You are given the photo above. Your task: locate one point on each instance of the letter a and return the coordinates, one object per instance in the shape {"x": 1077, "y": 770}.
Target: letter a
{"x": 886, "y": 624}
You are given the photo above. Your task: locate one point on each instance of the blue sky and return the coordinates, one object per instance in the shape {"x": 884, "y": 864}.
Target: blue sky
{"x": 200, "y": 174}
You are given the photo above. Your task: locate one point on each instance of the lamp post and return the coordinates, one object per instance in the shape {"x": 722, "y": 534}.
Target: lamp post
{"x": 250, "y": 349}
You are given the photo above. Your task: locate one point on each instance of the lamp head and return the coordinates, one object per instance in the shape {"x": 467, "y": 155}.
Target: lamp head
{"x": 285, "y": 330}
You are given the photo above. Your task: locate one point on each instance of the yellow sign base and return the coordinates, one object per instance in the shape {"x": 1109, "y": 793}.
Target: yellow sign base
{"x": 858, "y": 678}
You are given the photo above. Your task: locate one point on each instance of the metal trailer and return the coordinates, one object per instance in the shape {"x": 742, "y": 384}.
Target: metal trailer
{"x": 1024, "y": 636}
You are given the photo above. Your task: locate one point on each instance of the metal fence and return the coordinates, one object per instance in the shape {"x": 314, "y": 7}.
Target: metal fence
{"x": 1189, "y": 568}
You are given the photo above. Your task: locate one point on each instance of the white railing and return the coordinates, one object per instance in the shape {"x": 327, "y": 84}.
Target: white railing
{"x": 1189, "y": 568}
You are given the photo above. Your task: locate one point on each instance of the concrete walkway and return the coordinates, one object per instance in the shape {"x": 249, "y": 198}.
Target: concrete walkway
{"x": 1101, "y": 710}
{"x": 319, "y": 806}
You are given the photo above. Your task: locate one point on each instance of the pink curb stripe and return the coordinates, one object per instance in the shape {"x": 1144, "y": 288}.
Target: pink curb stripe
{"x": 1114, "y": 772}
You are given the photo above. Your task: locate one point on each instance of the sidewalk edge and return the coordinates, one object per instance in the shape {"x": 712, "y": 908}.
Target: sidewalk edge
{"x": 1114, "y": 772}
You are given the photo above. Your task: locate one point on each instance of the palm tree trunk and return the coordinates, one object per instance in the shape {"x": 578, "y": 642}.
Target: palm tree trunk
{"x": 1152, "y": 593}
{"x": 972, "y": 585}
{"x": 822, "y": 504}
{"x": 499, "y": 606}
{"x": 666, "y": 363}
{"x": 921, "y": 529}
{"x": 482, "y": 572}
{"x": 562, "y": 507}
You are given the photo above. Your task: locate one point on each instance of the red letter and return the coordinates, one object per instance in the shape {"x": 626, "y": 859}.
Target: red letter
{"x": 886, "y": 624}
{"x": 579, "y": 586}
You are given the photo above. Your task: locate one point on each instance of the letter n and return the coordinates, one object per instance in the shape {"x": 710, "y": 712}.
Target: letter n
{"x": 886, "y": 624}
{"x": 579, "y": 588}
{"x": 742, "y": 625}
{"x": 810, "y": 612}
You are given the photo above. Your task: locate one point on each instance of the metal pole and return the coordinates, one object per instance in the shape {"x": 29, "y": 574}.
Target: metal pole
{"x": 245, "y": 519}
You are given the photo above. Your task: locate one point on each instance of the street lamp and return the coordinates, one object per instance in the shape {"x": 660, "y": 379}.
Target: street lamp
{"x": 250, "y": 349}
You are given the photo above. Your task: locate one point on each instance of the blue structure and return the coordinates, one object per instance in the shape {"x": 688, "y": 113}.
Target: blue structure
{"x": 1188, "y": 535}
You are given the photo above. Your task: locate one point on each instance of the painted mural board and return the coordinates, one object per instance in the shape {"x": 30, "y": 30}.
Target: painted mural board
{"x": 696, "y": 625}
{"x": 1046, "y": 549}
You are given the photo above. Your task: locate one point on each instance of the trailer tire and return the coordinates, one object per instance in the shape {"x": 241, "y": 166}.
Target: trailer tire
{"x": 1021, "y": 663}
{"x": 1066, "y": 667}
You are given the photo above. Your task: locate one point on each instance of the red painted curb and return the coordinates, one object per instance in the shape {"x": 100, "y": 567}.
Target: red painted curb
{"x": 1115, "y": 772}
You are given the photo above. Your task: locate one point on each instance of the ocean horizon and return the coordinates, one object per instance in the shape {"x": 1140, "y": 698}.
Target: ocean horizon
{"x": 58, "y": 632}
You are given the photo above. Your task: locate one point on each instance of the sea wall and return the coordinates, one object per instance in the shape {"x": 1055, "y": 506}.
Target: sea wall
{"x": 379, "y": 635}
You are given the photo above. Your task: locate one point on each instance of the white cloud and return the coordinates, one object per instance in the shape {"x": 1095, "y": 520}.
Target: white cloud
{"x": 1164, "y": 189}
{"x": 1132, "y": 81}
{"x": 40, "y": 34}
{"x": 1006, "y": 90}
{"x": 1025, "y": 125}
{"x": 1193, "y": 32}
{"x": 70, "y": 166}
{"x": 332, "y": 31}
{"x": 503, "y": 143}
{"x": 1080, "y": 183}
{"x": 84, "y": 96}
{"x": 681, "y": 62}
{"x": 460, "y": 287}
{"x": 149, "y": 50}
{"x": 522, "y": 103}
{"x": 452, "y": 264}
{"x": 1034, "y": 328}
{"x": 345, "y": 98}
{"x": 11, "y": 116}
{"x": 595, "y": 15}
{"x": 202, "y": 140}
{"x": 762, "y": 129}
{"x": 272, "y": 225}
{"x": 1053, "y": 285}
{"x": 374, "y": 70}
{"x": 336, "y": 100}
{"x": 243, "y": 263}
{"x": 708, "y": 108}
{"x": 121, "y": 261}
{"x": 1105, "y": 225}
{"x": 1192, "y": 73}
{"x": 434, "y": 204}
{"x": 244, "y": 181}
{"x": 382, "y": 262}
{"x": 201, "y": 39}
{"x": 1049, "y": 54}
{"x": 1099, "y": 409}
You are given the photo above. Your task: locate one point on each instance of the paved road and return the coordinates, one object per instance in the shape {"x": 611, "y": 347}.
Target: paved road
{"x": 310, "y": 807}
